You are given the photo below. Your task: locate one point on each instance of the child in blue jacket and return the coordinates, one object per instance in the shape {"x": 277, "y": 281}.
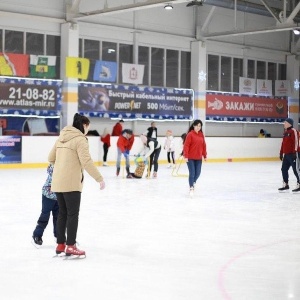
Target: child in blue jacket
{"x": 49, "y": 204}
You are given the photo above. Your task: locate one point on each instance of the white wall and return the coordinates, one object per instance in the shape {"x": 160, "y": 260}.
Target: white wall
{"x": 35, "y": 150}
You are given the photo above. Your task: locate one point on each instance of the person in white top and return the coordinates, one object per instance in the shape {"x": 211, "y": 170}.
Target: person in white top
{"x": 170, "y": 147}
{"x": 152, "y": 150}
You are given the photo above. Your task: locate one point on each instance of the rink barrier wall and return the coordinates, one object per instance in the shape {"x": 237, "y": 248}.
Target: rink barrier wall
{"x": 35, "y": 150}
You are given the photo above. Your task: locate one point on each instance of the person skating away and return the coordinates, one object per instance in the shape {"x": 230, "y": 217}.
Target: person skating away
{"x": 124, "y": 145}
{"x": 117, "y": 129}
{"x": 288, "y": 155}
{"x": 194, "y": 150}
{"x": 70, "y": 156}
{"x": 170, "y": 147}
{"x": 152, "y": 150}
{"x": 105, "y": 139}
{"x": 49, "y": 204}
{"x": 151, "y": 132}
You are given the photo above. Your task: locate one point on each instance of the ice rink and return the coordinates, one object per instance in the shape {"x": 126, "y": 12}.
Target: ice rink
{"x": 145, "y": 239}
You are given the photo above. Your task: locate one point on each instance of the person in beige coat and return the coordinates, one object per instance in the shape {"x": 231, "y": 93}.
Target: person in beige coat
{"x": 70, "y": 157}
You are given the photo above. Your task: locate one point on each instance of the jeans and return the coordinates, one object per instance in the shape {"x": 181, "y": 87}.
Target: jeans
{"x": 154, "y": 159}
{"x": 119, "y": 159}
{"x": 194, "y": 170}
{"x": 69, "y": 204}
{"x": 48, "y": 206}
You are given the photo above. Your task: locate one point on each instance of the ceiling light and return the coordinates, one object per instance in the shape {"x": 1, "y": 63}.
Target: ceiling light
{"x": 168, "y": 7}
{"x": 296, "y": 31}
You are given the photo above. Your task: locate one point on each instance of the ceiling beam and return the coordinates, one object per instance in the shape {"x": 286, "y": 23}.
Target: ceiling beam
{"x": 270, "y": 10}
{"x": 282, "y": 27}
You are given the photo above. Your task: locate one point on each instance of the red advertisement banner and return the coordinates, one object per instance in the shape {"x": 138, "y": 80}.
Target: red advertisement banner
{"x": 236, "y": 106}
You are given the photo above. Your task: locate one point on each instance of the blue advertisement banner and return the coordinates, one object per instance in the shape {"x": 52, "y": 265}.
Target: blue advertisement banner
{"x": 10, "y": 149}
{"x": 40, "y": 97}
{"x": 135, "y": 102}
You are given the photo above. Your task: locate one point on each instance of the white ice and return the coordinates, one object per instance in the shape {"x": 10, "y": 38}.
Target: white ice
{"x": 237, "y": 238}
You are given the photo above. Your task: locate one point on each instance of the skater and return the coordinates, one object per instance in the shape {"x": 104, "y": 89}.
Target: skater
{"x": 105, "y": 139}
{"x": 70, "y": 157}
{"x": 194, "y": 149}
{"x": 288, "y": 155}
{"x": 117, "y": 129}
{"x": 49, "y": 204}
{"x": 124, "y": 145}
{"x": 170, "y": 147}
{"x": 151, "y": 131}
{"x": 151, "y": 149}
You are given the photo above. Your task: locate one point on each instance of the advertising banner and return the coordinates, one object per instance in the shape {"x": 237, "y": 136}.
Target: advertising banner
{"x": 245, "y": 107}
{"x": 282, "y": 88}
{"x": 10, "y": 149}
{"x": 264, "y": 87}
{"x": 247, "y": 86}
{"x": 30, "y": 96}
{"x": 135, "y": 102}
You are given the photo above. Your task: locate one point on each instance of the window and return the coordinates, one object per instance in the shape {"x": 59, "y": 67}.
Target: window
{"x": 172, "y": 68}
{"x": 53, "y": 48}
{"x": 80, "y": 54}
{"x": 237, "y": 73}
{"x": 143, "y": 59}
{"x": 225, "y": 74}
{"x": 125, "y": 56}
{"x": 185, "y": 70}
{"x": 14, "y": 41}
{"x": 92, "y": 49}
{"x": 157, "y": 67}
{"x": 281, "y": 71}
{"x": 261, "y": 70}
{"x": 272, "y": 75}
{"x": 34, "y": 43}
{"x": 213, "y": 72}
{"x": 251, "y": 68}
{"x": 109, "y": 51}
{"x": 53, "y": 45}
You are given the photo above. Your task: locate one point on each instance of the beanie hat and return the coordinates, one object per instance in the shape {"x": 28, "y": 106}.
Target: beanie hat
{"x": 290, "y": 121}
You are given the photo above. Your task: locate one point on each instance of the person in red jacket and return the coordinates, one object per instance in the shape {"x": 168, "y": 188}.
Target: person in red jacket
{"x": 117, "y": 129}
{"x": 124, "y": 145}
{"x": 194, "y": 149}
{"x": 105, "y": 139}
{"x": 288, "y": 155}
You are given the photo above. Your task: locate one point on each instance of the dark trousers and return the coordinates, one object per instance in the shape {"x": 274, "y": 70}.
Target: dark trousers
{"x": 105, "y": 151}
{"x": 194, "y": 170}
{"x": 67, "y": 221}
{"x": 154, "y": 159}
{"x": 288, "y": 161}
{"x": 170, "y": 156}
{"x": 48, "y": 206}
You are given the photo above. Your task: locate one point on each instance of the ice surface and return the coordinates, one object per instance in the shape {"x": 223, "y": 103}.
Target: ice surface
{"x": 146, "y": 239}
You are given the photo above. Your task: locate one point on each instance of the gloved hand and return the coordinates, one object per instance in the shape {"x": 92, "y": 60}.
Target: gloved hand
{"x": 294, "y": 156}
{"x": 281, "y": 157}
{"x": 127, "y": 152}
{"x": 102, "y": 185}
{"x": 126, "y": 155}
{"x": 145, "y": 160}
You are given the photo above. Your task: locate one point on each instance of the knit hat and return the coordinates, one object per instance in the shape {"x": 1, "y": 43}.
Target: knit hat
{"x": 290, "y": 121}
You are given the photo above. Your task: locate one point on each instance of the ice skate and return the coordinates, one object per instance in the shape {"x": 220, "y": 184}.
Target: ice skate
{"x": 169, "y": 166}
{"x": 297, "y": 189}
{"x": 105, "y": 164}
{"x": 154, "y": 174}
{"x": 284, "y": 188}
{"x": 60, "y": 249}
{"x": 73, "y": 252}
{"x": 37, "y": 241}
{"x": 118, "y": 171}
{"x": 129, "y": 176}
{"x": 191, "y": 194}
